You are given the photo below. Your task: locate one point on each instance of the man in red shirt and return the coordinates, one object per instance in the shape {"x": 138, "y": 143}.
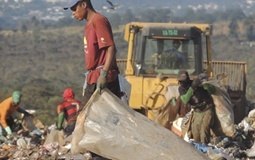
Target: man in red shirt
{"x": 99, "y": 49}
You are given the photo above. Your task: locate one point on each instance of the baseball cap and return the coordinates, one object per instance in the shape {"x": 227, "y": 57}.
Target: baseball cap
{"x": 71, "y": 4}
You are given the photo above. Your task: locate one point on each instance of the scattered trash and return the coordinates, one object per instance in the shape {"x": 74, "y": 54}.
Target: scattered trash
{"x": 21, "y": 143}
{"x": 115, "y": 131}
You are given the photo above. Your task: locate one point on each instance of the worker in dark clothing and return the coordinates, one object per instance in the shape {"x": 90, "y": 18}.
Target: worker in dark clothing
{"x": 193, "y": 93}
{"x": 185, "y": 83}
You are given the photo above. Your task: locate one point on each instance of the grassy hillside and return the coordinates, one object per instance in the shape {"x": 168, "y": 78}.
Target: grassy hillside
{"x": 42, "y": 62}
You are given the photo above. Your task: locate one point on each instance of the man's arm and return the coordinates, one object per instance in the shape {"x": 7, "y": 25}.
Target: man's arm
{"x": 186, "y": 97}
{"x": 21, "y": 110}
{"x": 194, "y": 85}
{"x": 60, "y": 120}
{"x": 4, "y": 122}
{"x": 3, "y": 118}
{"x": 105, "y": 37}
{"x": 110, "y": 54}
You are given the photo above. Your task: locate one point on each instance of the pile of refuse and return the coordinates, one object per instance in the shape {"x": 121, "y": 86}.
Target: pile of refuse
{"x": 40, "y": 143}
{"x": 240, "y": 147}
{"x": 110, "y": 128}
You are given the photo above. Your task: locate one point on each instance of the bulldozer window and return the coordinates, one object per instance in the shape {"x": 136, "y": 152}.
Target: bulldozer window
{"x": 167, "y": 56}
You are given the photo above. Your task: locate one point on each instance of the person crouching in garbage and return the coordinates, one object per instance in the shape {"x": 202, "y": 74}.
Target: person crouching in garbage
{"x": 7, "y": 108}
{"x": 200, "y": 100}
{"x": 68, "y": 110}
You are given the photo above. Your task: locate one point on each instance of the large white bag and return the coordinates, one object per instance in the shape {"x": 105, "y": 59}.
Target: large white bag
{"x": 110, "y": 128}
{"x": 223, "y": 108}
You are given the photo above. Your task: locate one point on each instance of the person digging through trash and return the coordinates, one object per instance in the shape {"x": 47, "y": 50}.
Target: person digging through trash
{"x": 7, "y": 108}
{"x": 68, "y": 110}
{"x": 201, "y": 102}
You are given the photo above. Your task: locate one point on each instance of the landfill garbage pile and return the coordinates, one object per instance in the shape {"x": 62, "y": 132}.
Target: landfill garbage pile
{"x": 33, "y": 146}
{"x": 116, "y": 132}
{"x": 25, "y": 142}
{"x": 241, "y": 146}
{"x": 37, "y": 144}
{"x": 227, "y": 148}
{"x": 22, "y": 148}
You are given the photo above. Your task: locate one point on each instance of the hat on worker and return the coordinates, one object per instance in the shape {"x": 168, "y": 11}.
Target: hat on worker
{"x": 71, "y": 4}
{"x": 203, "y": 76}
{"x": 16, "y": 95}
{"x": 183, "y": 75}
{"x": 68, "y": 93}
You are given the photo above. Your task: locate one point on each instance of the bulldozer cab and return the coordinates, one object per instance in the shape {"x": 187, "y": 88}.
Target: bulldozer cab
{"x": 165, "y": 48}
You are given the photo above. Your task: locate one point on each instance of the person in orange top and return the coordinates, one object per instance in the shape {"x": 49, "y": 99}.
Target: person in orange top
{"x": 68, "y": 109}
{"x": 7, "y": 108}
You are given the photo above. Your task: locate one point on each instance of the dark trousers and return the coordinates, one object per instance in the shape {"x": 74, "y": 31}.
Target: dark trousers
{"x": 69, "y": 129}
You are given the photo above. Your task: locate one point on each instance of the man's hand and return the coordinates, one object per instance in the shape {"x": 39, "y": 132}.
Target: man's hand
{"x": 8, "y": 130}
{"x": 101, "y": 81}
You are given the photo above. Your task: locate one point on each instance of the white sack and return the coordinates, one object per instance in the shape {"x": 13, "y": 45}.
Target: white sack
{"x": 110, "y": 128}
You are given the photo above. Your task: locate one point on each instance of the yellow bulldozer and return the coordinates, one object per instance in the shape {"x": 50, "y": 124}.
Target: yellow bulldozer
{"x": 150, "y": 67}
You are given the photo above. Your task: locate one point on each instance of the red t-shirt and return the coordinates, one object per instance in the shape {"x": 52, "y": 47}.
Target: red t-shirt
{"x": 70, "y": 109}
{"x": 97, "y": 37}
